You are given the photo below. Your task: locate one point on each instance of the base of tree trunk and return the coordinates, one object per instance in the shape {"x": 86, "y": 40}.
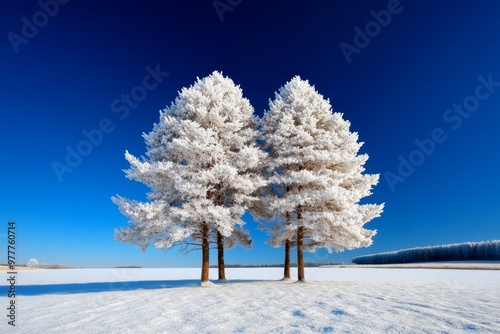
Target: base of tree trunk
{"x": 206, "y": 284}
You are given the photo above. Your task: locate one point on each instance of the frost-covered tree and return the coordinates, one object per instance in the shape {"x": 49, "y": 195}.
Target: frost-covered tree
{"x": 32, "y": 263}
{"x": 316, "y": 175}
{"x": 200, "y": 165}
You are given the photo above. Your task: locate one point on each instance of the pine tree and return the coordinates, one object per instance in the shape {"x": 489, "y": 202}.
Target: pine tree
{"x": 316, "y": 175}
{"x": 200, "y": 165}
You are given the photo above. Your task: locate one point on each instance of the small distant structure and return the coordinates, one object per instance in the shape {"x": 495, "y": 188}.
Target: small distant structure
{"x": 32, "y": 263}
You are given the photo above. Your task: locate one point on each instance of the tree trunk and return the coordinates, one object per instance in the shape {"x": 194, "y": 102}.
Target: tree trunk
{"x": 300, "y": 246}
{"x": 205, "y": 251}
{"x": 220, "y": 256}
{"x": 286, "y": 273}
{"x": 220, "y": 241}
{"x": 300, "y": 253}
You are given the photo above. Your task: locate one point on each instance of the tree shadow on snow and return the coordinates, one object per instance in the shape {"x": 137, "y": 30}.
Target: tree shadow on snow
{"x": 75, "y": 288}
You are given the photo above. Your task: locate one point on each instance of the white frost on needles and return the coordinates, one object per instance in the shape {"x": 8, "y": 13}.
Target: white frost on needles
{"x": 200, "y": 166}
{"x": 205, "y": 170}
{"x": 314, "y": 167}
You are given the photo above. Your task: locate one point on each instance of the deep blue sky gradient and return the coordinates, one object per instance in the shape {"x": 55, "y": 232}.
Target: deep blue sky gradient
{"x": 396, "y": 90}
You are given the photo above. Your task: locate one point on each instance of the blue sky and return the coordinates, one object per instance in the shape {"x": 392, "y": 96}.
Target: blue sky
{"x": 71, "y": 71}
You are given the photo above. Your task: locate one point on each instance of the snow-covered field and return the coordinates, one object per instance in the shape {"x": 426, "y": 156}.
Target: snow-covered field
{"x": 334, "y": 300}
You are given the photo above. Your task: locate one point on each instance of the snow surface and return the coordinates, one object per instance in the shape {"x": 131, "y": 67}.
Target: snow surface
{"x": 334, "y": 300}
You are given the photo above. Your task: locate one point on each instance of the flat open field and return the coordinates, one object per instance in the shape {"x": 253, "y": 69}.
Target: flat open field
{"x": 334, "y": 300}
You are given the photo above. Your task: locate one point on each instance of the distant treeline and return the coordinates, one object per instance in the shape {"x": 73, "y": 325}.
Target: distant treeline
{"x": 50, "y": 266}
{"x": 467, "y": 251}
{"x": 280, "y": 265}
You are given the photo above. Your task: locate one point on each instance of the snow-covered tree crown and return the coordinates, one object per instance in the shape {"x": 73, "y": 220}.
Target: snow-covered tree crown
{"x": 314, "y": 167}
{"x": 300, "y": 121}
{"x": 212, "y": 107}
{"x": 199, "y": 167}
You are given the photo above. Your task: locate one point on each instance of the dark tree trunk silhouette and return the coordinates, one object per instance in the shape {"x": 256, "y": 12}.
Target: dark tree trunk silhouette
{"x": 220, "y": 241}
{"x": 286, "y": 271}
{"x": 205, "y": 251}
{"x": 220, "y": 256}
{"x": 300, "y": 246}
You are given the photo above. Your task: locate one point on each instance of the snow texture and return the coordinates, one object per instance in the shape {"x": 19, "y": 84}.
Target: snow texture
{"x": 334, "y": 300}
